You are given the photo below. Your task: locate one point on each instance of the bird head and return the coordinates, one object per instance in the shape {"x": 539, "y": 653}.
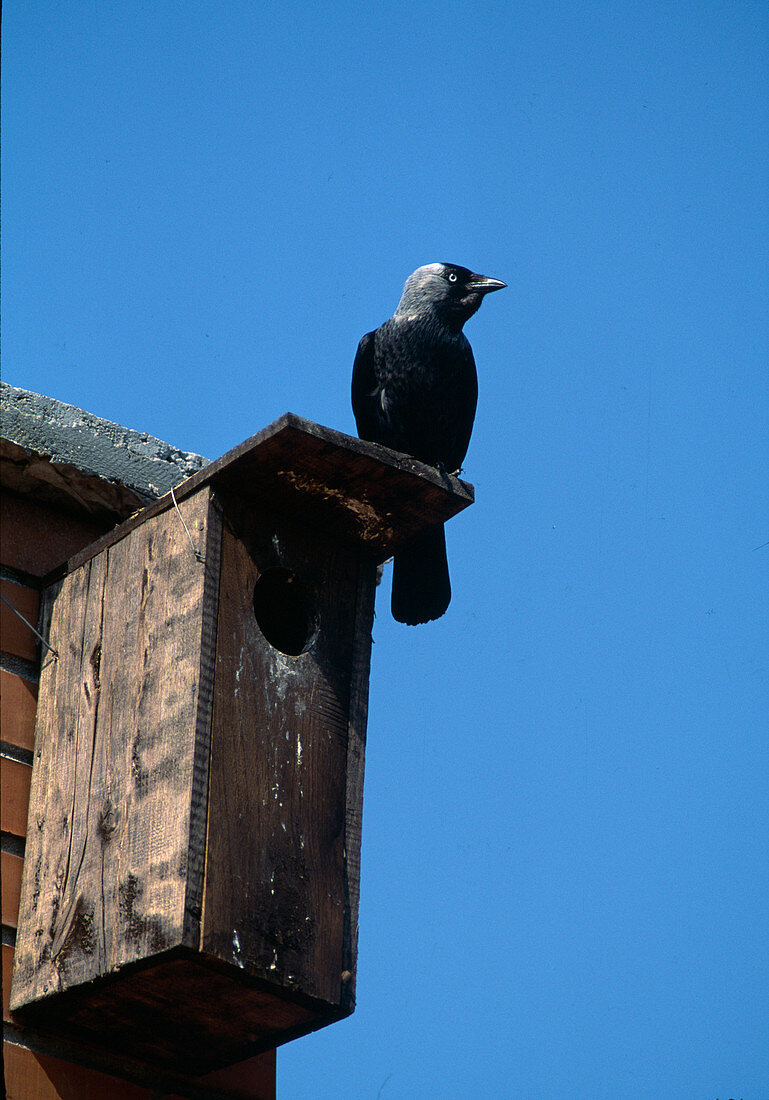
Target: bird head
{"x": 453, "y": 293}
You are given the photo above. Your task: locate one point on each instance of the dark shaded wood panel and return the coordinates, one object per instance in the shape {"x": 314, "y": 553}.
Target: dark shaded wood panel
{"x": 276, "y": 871}
{"x": 182, "y": 1013}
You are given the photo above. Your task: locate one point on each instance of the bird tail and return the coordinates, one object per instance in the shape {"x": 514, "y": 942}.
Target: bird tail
{"x": 421, "y": 586}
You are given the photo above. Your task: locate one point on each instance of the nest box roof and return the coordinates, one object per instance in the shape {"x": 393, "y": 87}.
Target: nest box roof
{"x": 366, "y": 493}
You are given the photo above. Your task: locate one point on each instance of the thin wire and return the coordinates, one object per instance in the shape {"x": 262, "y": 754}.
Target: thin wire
{"x": 16, "y": 611}
{"x": 198, "y": 556}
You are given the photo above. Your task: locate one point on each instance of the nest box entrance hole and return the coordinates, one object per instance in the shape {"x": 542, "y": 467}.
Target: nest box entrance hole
{"x": 286, "y": 611}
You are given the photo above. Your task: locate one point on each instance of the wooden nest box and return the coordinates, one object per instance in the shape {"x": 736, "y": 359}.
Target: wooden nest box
{"x": 191, "y": 876}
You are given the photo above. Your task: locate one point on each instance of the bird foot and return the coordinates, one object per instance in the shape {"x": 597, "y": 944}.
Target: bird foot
{"x": 447, "y": 474}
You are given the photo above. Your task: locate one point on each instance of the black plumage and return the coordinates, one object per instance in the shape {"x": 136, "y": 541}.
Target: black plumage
{"x": 415, "y": 389}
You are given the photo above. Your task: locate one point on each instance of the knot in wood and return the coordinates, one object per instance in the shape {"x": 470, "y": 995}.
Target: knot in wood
{"x": 108, "y": 819}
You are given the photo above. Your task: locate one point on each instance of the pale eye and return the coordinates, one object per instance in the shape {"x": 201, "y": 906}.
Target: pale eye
{"x": 452, "y": 276}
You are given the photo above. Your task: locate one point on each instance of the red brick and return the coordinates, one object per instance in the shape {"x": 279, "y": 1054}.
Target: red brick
{"x": 31, "y": 1076}
{"x": 253, "y": 1079}
{"x": 36, "y": 538}
{"x": 18, "y": 706}
{"x": 10, "y": 886}
{"x": 15, "y": 636}
{"x": 14, "y": 796}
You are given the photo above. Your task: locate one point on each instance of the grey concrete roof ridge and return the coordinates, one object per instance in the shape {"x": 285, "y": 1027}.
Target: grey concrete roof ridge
{"x": 69, "y": 436}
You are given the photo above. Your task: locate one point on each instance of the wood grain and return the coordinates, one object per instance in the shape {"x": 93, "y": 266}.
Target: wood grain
{"x": 106, "y": 869}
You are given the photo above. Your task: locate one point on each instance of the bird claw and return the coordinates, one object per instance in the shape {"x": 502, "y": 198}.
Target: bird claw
{"x": 447, "y": 474}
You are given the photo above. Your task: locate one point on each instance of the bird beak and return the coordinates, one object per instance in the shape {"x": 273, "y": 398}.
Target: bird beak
{"x": 482, "y": 284}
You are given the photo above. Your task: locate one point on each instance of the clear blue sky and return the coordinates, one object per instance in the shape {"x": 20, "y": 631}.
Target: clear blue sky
{"x": 565, "y": 884}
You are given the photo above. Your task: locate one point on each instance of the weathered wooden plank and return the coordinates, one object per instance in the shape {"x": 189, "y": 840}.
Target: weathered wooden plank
{"x": 107, "y": 873}
{"x": 279, "y": 752}
{"x": 142, "y": 789}
{"x": 64, "y": 735}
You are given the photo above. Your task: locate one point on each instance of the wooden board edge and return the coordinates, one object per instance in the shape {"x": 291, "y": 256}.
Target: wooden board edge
{"x": 356, "y": 759}
{"x": 198, "y": 836}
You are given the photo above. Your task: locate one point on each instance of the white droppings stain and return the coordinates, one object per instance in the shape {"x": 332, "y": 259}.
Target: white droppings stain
{"x": 239, "y": 670}
{"x": 298, "y": 751}
{"x": 236, "y": 949}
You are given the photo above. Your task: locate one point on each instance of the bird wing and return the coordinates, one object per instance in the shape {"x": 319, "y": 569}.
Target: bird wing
{"x": 365, "y": 390}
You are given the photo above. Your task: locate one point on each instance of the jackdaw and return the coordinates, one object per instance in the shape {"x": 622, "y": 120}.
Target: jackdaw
{"x": 414, "y": 389}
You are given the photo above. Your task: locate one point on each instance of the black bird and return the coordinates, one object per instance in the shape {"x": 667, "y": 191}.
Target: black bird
{"x": 414, "y": 388}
